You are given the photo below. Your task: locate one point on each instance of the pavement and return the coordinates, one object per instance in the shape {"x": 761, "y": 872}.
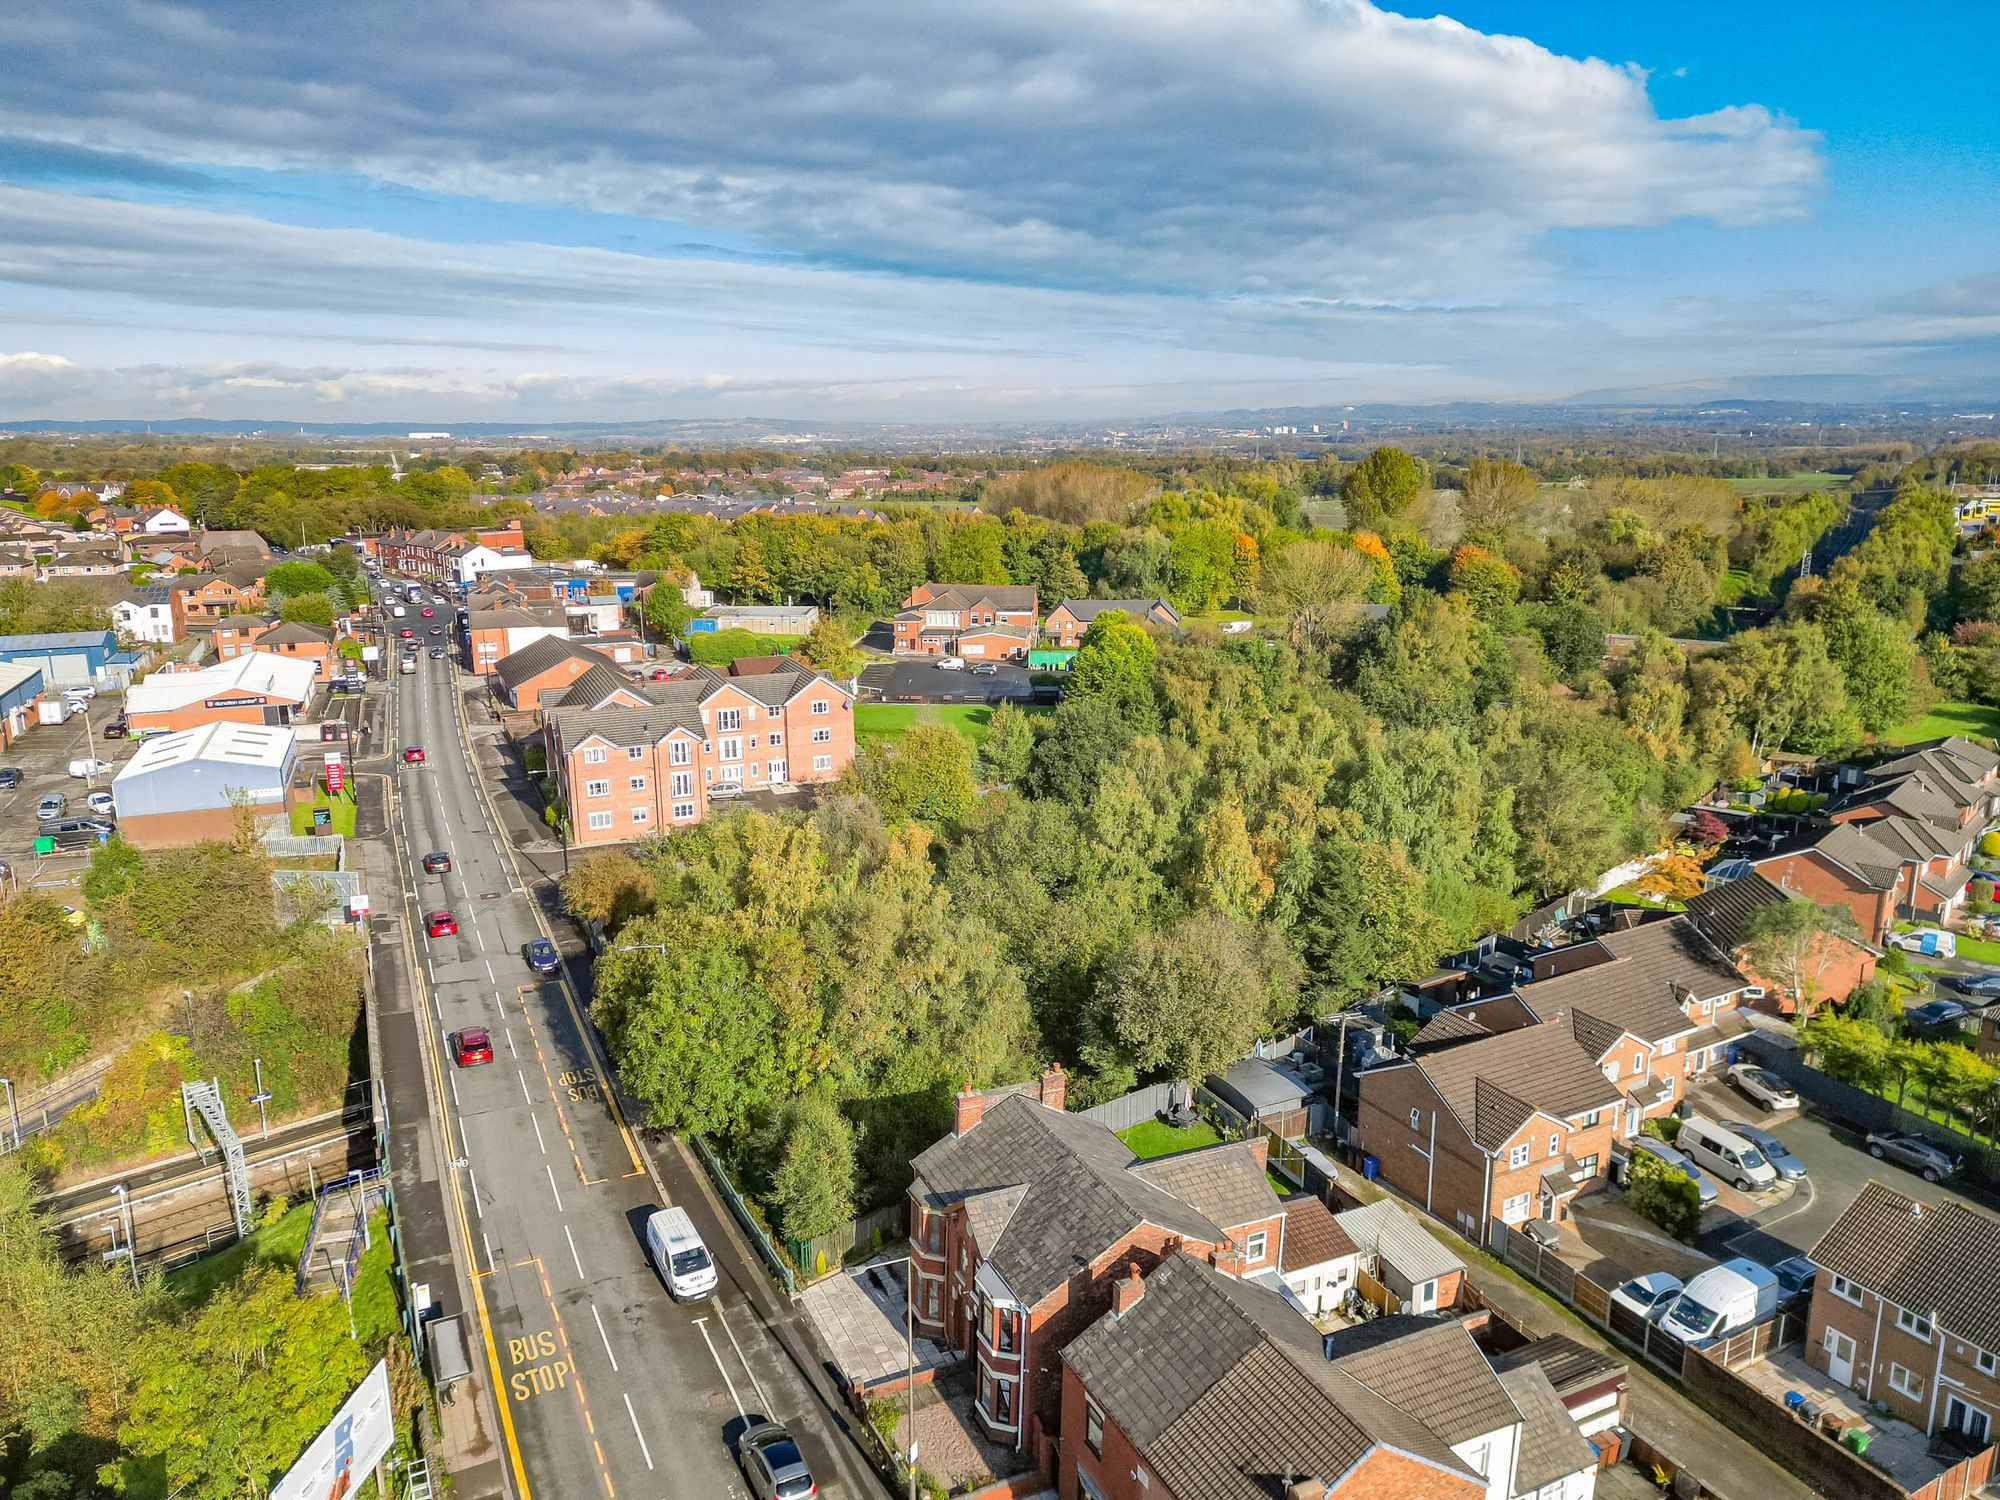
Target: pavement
{"x": 597, "y": 1382}
{"x": 921, "y": 680}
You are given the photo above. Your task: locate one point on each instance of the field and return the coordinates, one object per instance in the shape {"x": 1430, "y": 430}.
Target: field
{"x": 1974, "y": 719}
{"x": 1805, "y": 479}
{"x": 879, "y": 723}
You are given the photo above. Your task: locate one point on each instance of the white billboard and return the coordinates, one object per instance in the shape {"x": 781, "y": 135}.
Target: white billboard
{"x": 357, "y": 1438}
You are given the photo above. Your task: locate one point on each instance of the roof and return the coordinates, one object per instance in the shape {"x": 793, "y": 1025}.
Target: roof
{"x": 1941, "y": 1262}
{"x": 1551, "y": 1447}
{"x": 14, "y": 674}
{"x": 1652, "y": 968}
{"x": 1008, "y": 596}
{"x": 1263, "y": 1085}
{"x": 1225, "y": 1182}
{"x": 758, "y": 666}
{"x": 1495, "y": 1084}
{"x": 1220, "y": 1384}
{"x": 1313, "y": 1236}
{"x": 1724, "y": 911}
{"x": 676, "y": 703}
{"x": 1445, "y": 1028}
{"x": 1848, "y": 845}
{"x": 1384, "y": 1228}
{"x": 253, "y": 672}
{"x": 1569, "y": 1365}
{"x": 516, "y": 617}
{"x": 269, "y": 746}
{"x": 593, "y": 687}
{"x": 537, "y": 657}
{"x": 1141, "y": 610}
{"x": 1428, "y": 1367}
{"x": 296, "y": 633}
{"x": 62, "y": 640}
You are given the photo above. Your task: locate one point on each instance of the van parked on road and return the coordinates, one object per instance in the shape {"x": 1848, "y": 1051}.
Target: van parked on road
{"x": 1728, "y": 1155}
{"x": 679, "y": 1255}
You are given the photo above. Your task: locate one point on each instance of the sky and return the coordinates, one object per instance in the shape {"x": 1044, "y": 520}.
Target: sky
{"x": 985, "y": 210}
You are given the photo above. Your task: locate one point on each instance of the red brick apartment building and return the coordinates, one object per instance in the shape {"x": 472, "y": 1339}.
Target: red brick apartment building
{"x": 1023, "y": 1218}
{"x": 1904, "y": 1311}
{"x": 967, "y": 619}
{"x": 644, "y": 758}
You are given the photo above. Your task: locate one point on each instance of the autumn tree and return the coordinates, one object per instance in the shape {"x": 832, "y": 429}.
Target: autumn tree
{"x": 1494, "y": 495}
{"x": 827, "y": 647}
{"x": 608, "y": 888}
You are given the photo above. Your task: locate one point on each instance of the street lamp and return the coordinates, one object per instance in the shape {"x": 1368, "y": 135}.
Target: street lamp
{"x": 13, "y": 1120}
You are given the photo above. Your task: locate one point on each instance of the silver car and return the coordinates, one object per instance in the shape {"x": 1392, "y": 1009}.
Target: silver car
{"x": 1679, "y": 1162}
{"x": 1763, "y": 1086}
{"x": 1927, "y": 1159}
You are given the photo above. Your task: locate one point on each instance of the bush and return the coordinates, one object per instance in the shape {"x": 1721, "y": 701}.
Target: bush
{"x": 1665, "y": 1195}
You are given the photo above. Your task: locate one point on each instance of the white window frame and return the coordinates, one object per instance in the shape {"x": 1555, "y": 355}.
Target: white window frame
{"x": 597, "y": 789}
{"x": 1257, "y": 1245}
{"x": 635, "y": 752}
{"x": 729, "y": 718}
{"x": 822, "y": 762}
{"x": 1416, "y": 1115}
{"x": 641, "y": 815}
{"x": 821, "y": 706}
{"x": 1844, "y": 1289}
{"x": 1905, "y": 1381}
{"x": 822, "y": 737}
{"x": 1513, "y": 1210}
{"x": 683, "y": 811}
{"x": 600, "y": 820}
{"x": 683, "y": 784}
{"x": 1517, "y": 1157}
{"x": 775, "y": 738}
{"x": 1915, "y": 1326}
{"x": 732, "y": 748}
{"x": 680, "y": 753}
{"x": 635, "y": 783}
{"x": 1555, "y": 1143}
{"x": 1986, "y": 1362}
{"x": 595, "y": 755}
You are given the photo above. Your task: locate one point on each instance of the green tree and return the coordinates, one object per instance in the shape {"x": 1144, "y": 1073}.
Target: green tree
{"x": 925, "y": 775}
{"x": 307, "y": 609}
{"x": 1851, "y": 1050}
{"x": 971, "y": 553}
{"x": 1366, "y": 919}
{"x": 1793, "y": 943}
{"x": 1114, "y": 666}
{"x": 1317, "y": 587}
{"x": 666, "y": 610}
{"x": 1494, "y": 495}
{"x": 1009, "y": 745}
{"x": 1573, "y": 636}
{"x": 293, "y": 578}
{"x": 1225, "y": 873}
{"x": 1379, "y": 489}
{"x": 1664, "y": 1194}
{"x": 827, "y": 647}
{"x": 812, "y": 1188}
{"x": 1192, "y": 997}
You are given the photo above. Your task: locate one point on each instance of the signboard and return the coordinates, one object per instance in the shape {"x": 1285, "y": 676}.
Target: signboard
{"x": 253, "y": 701}
{"x": 336, "y": 773}
{"x": 371, "y": 653}
{"x": 322, "y": 817}
{"x": 357, "y": 1439}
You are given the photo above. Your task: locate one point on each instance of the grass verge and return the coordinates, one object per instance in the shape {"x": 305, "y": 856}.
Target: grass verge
{"x": 1944, "y": 719}
{"x": 879, "y": 723}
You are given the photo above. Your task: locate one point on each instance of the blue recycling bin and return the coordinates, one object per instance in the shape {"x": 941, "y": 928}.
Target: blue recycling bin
{"x": 1371, "y": 1167}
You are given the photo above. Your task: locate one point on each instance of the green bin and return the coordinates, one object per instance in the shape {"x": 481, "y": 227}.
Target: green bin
{"x": 45, "y": 844}
{"x": 1857, "y": 1439}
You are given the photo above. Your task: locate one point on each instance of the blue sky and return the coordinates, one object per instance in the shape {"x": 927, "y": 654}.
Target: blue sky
{"x": 893, "y": 210}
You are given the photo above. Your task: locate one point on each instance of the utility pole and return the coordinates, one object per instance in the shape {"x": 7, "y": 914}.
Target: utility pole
{"x": 13, "y": 1120}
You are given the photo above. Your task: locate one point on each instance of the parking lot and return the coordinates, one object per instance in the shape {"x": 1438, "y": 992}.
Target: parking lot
{"x": 924, "y": 681}
{"x": 42, "y": 755}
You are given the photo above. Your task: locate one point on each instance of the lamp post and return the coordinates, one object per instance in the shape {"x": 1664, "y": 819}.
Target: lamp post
{"x": 13, "y": 1120}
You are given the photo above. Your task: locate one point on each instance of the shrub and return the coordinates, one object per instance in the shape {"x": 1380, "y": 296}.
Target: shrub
{"x": 1665, "y": 1195}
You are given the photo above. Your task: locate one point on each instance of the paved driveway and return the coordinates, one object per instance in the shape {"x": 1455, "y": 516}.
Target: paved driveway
{"x": 42, "y": 755}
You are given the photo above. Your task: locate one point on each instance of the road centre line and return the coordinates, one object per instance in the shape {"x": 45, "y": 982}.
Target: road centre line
{"x": 552, "y": 1185}
{"x": 606, "y": 1337}
{"x": 645, "y": 1452}
{"x": 526, "y": 1098}
{"x": 538, "y": 1134}
{"x": 574, "y": 1257}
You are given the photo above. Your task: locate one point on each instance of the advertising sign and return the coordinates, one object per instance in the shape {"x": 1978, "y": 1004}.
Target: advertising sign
{"x": 253, "y": 701}
{"x": 336, "y": 773}
{"x": 349, "y": 1447}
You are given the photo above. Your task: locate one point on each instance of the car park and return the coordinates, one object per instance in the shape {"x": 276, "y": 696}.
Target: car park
{"x": 1650, "y": 1295}
{"x": 773, "y": 1465}
{"x": 986, "y": 669}
{"x": 1763, "y": 1086}
{"x": 412, "y": 754}
{"x": 437, "y": 863}
{"x": 1788, "y": 1167}
{"x": 79, "y": 833}
{"x": 10, "y": 777}
{"x": 471, "y": 1047}
{"x": 84, "y": 767}
{"x": 441, "y": 924}
{"x": 117, "y": 729}
{"x": 51, "y": 807}
{"x": 542, "y": 956}
{"x": 1924, "y": 1157}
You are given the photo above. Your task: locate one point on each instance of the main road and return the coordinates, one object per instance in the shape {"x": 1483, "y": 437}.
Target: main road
{"x": 604, "y": 1384}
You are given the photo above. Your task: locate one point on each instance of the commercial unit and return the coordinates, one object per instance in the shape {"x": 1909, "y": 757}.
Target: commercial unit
{"x": 758, "y": 619}
{"x": 257, "y": 688}
{"x": 496, "y": 634}
{"x": 184, "y": 788}
{"x": 75, "y": 658}
{"x": 20, "y": 685}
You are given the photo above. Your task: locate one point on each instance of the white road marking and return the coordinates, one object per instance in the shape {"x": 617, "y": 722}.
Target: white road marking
{"x": 475, "y": 1190}
{"x": 552, "y": 1185}
{"x": 643, "y": 1449}
{"x": 576, "y": 1259}
{"x": 538, "y": 1134}
{"x": 755, "y": 1383}
{"x": 524, "y": 1087}
{"x": 510, "y": 1040}
{"x": 702, "y": 1324}
{"x": 489, "y": 972}
{"x": 606, "y": 1337}
{"x": 452, "y": 1079}
{"x": 491, "y": 1263}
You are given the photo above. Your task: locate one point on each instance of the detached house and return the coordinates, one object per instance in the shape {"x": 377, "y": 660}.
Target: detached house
{"x": 200, "y": 600}
{"x": 1726, "y": 913}
{"x": 1070, "y": 619}
{"x": 1904, "y": 1311}
{"x": 982, "y": 621}
{"x": 145, "y": 613}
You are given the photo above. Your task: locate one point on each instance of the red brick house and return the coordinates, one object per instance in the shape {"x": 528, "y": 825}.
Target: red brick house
{"x": 1725, "y": 913}
{"x": 936, "y": 615}
{"x": 544, "y": 670}
{"x": 1904, "y": 1312}
{"x": 1023, "y": 1217}
{"x": 1952, "y": 781}
{"x": 1070, "y": 619}
{"x": 199, "y": 600}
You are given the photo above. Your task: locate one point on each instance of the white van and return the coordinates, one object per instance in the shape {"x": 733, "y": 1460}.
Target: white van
{"x": 1722, "y": 1300}
{"x": 679, "y": 1255}
{"x": 1731, "y": 1157}
{"x": 83, "y": 770}
{"x": 409, "y": 664}
{"x": 398, "y": 611}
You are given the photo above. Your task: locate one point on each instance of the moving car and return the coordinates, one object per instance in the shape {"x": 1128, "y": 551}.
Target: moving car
{"x": 1788, "y": 1167}
{"x": 10, "y": 777}
{"x": 437, "y": 630}
{"x": 951, "y": 664}
{"x": 1650, "y": 1295}
{"x": 677, "y": 1253}
{"x": 412, "y": 754}
{"x": 471, "y": 1047}
{"x": 428, "y": 611}
{"x": 101, "y": 802}
{"x": 409, "y": 664}
{"x": 773, "y": 1466}
{"x": 542, "y": 956}
{"x": 1926, "y": 1158}
{"x": 51, "y": 806}
{"x": 437, "y": 653}
{"x": 441, "y": 924}
{"x": 1935, "y": 1013}
{"x": 437, "y": 863}
{"x": 405, "y": 633}
{"x": 1762, "y": 1085}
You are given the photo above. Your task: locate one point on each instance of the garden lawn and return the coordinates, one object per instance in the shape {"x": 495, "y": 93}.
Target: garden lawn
{"x": 1150, "y": 1138}
{"x": 718, "y": 648}
{"x": 1947, "y": 719}
{"x": 882, "y": 723}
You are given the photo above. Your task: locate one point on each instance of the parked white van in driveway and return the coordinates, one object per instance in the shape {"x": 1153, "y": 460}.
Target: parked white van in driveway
{"x": 1731, "y": 1157}
{"x": 679, "y": 1255}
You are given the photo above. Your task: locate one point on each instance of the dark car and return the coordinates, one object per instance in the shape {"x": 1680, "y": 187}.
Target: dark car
{"x": 471, "y": 1047}
{"x": 441, "y": 924}
{"x": 1982, "y": 987}
{"x": 773, "y": 1464}
{"x": 437, "y": 863}
{"x": 10, "y": 777}
{"x": 1935, "y": 1013}
{"x": 117, "y": 729}
{"x": 542, "y": 956}
{"x": 412, "y": 754}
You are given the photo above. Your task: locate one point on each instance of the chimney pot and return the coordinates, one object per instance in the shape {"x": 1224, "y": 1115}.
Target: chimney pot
{"x": 1055, "y": 1086}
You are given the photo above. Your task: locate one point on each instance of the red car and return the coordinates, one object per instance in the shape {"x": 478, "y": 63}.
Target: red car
{"x": 413, "y": 754}
{"x": 405, "y": 633}
{"x": 441, "y": 924}
{"x": 472, "y": 1046}
{"x": 428, "y": 611}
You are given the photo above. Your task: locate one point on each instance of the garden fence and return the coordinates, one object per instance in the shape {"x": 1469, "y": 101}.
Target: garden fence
{"x": 827, "y": 1253}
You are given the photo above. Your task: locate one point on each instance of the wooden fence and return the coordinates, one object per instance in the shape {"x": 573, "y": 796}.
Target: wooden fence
{"x": 829, "y": 1252}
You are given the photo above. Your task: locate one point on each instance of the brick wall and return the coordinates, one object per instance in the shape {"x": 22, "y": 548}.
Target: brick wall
{"x": 1821, "y": 880}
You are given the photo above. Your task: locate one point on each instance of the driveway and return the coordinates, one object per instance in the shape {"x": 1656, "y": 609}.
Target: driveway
{"x": 922, "y": 681}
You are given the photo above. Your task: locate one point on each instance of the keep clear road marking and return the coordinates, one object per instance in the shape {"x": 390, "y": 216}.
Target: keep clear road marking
{"x": 606, "y": 1337}
{"x": 702, "y": 1324}
{"x": 646, "y": 1452}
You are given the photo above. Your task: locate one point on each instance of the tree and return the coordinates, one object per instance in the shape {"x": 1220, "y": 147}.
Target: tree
{"x": 1191, "y": 998}
{"x": 608, "y": 888}
{"x": 1317, "y": 587}
{"x": 827, "y": 647}
{"x": 812, "y": 1188}
{"x": 1381, "y": 488}
{"x": 1851, "y": 1050}
{"x": 1114, "y": 666}
{"x": 1366, "y": 917}
{"x": 666, "y": 610}
{"x": 1085, "y": 735}
{"x": 1488, "y": 583}
{"x": 1009, "y": 744}
{"x": 293, "y": 578}
{"x": 971, "y": 553}
{"x": 1494, "y": 495}
{"x": 1706, "y": 828}
{"x": 1793, "y": 943}
{"x": 307, "y": 609}
{"x": 926, "y": 775}
{"x": 1226, "y": 874}
{"x": 1573, "y": 636}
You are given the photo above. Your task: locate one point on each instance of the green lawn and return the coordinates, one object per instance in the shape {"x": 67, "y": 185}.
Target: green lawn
{"x": 343, "y": 814}
{"x": 1949, "y": 718}
{"x": 1150, "y": 1138}
{"x": 1626, "y": 895}
{"x": 1805, "y": 479}
{"x": 880, "y": 723}
{"x": 1733, "y": 586}
{"x": 720, "y": 647}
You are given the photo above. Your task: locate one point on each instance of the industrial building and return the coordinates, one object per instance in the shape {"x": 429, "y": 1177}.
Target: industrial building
{"x": 185, "y": 787}
{"x": 255, "y": 688}
{"x": 76, "y": 658}
{"x": 20, "y": 685}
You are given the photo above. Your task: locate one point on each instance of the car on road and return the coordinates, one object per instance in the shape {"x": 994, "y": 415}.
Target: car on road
{"x": 1763, "y": 1086}
{"x": 437, "y": 863}
{"x": 412, "y": 754}
{"x": 542, "y": 956}
{"x": 1788, "y": 1167}
{"x": 773, "y": 1466}
{"x": 52, "y": 806}
{"x": 1655, "y": 1147}
{"x": 1935, "y": 1013}
{"x": 951, "y": 664}
{"x": 405, "y": 633}
{"x": 441, "y": 924}
{"x": 10, "y": 777}
{"x": 471, "y": 1047}
{"x": 101, "y": 802}
{"x": 437, "y": 630}
{"x": 1980, "y": 986}
{"x": 428, "y": 611}
{"x": 437, "y": 653}
{"x": 1924, "y": 1157}
{"x": 1650, "y": 1295}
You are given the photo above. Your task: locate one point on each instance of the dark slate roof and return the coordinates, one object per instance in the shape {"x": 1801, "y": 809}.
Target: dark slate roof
{"x": 296, "y": 633}
{"x": 1008, "y": 596}
{"x": 593, "y": 687}
{"x": 1848, "y": 845}
{"x": 1495, "y": 1083}
{"x": 1080, "y": 1195}
{"x": 1141, "y": 610}
{"x": 1444, "y": 1029}
{"x": 1430, "y": 1369}
{"x": 537, "y": 657}
{"x": 1225, "y": 1182}
{"x": 1569, "y": 1365}
{"x": 1551, "y": 1447}
{"x": 1942, "y": 1262}
{"x": 1724, "y": 910}
{"x": 1313, "y": 1236}
{"x": 1222, "y": 1385}
{"x": 1653, "y": 967}
{"x": 624, "y": 726}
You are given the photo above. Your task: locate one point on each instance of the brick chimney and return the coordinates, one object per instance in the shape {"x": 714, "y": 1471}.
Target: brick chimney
{"x": 1308, "y": 1489}
{"x": 1127, "y": 1290}
{"x": 1260, "y": 1147}
{"x": 1055, "y": 1086}
{"x": 967, "y": 1106}
{"x": 1227, "y": 1259}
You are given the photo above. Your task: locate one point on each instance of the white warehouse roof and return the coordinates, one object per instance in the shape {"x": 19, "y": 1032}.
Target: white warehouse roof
{"x": 206, "y": 767}
{"x": 259, "y": 672}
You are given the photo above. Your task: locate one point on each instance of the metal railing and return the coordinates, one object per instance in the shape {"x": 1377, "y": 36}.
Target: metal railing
{"x": 780, "y": 1270}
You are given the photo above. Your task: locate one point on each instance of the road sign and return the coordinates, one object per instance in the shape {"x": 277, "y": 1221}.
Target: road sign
{"x": 336, "y": 771}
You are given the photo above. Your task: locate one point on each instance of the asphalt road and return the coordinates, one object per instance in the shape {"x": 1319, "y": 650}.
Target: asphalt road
{"x": 607, "y": 1386}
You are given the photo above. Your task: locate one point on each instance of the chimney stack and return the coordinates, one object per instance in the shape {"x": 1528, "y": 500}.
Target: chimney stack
{"x": 1127, "y": 1290}
{"x": 1055, "y": 1086}
{"x": 1308, "y": 1489}
{"x": 1228, "y": 1260}
{"x": 967, "y": 1106}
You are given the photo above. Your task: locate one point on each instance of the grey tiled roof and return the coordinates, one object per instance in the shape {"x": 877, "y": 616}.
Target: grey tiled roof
{"x": 1942, "y": 1262}
{"x": 622, "y": 726}
{"x": 676, "y": 703}
{"x": 535, "y": 658}
{"x": 1848, "y": 844}
{"x": 1724, "y": 910}
{"x": 593, "y": 687}
{"x": 1225, "y": 1182}
{"x": 1428, "y": 1368}
{"x": 1495, "y": 1083}
{"x": 1445, "y": 1028}
{"x": 1141, "y": 610}
{"x": 1640, "y": 990}
{"x": 1551, "y": 1447}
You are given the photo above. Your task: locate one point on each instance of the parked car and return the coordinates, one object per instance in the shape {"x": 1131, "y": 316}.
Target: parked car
{"x": 471, "y": 1047}
{"x": 118, "y": 728}
{"x": 951, "y": 664}
{"x": 1935, "y": 1013}
{"x": 1928, "y": 940}
{"x": 1787, "y": 1166}
{"x": 1722, "y": 1300}
{"x": 675, "y": 1247}
{"x": 1764, "y": 1086}
{"x": 437, "y": 863}
{"x": 102, "y": 802}
{"x": 1984, "y": 986}
{"x": 1543, "y": 1232}
{"x": 441, "y": 924}
{"x": 1924, "y": 1157}
{"x": 773, "y": 1466}
{"x": 1650, "y": 1295}
{"x": 84, "y": 767}
{"x": 542, "y": 956}
{"x": 52, "y": 806}
{"x": 1722, "y": 1151}
{"x": 986, "y": 669}
{"x": 1679, "y": 1161}
{"x": 726, "y": 789}
{"x": 1795, "y": 1276}
{"x": 412, "y": 754}
{"x": 10, "y": 777}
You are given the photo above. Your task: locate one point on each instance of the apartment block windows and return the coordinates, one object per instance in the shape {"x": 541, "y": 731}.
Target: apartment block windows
{"x": 636, "y": 783}
{"x": 680, "y": 753}
{"x": 728, "y": 718}
{"x": 821, "y": 706}
{"x": 635, "y": 752}
{"x": 595, "y": 755}
{"x": 732, "y": 748}
{"x": 822, "y": 736}
{"x": 683, "y": 811}
{"x": 597, "y": 789}
{"x": 822, "y": 762}
{"x": 683, "y": 784}
{"x": 640, "y": 815}
{"x": 600, "y": 820}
